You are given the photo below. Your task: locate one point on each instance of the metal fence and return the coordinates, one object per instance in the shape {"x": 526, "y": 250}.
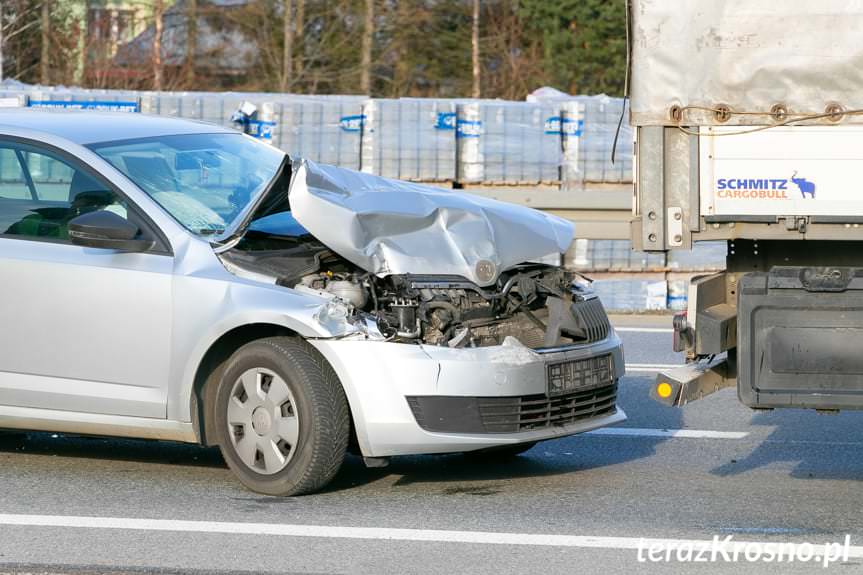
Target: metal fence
{"x": 485, "y": 142}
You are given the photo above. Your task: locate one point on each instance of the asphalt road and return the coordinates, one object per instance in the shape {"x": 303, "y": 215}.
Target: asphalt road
{"x": 575, "y": 505}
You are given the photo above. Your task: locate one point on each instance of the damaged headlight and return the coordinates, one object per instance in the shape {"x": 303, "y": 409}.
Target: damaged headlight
{"x": 333, "y": 314}
{"x": 582, "y": 286}
{"x": 336, "y": 317}
{"x": 342, "y": 320}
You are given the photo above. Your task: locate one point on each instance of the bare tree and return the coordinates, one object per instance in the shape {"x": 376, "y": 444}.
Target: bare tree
{"x": 45, "y": 60}
{"x": 326, "y": 59}
{"x": 287, "y": 47}
{"x": 158, "y": 24}
{"x": 474, "y": 42}
{"x": 512, "y": 64}
{"x": 368, "y": 39}
{"x": 191, "y": 40}
{"x": 15, "y": 20}
{"x": 300, "y": 30}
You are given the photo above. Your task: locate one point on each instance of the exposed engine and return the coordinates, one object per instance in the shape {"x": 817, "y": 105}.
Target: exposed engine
{"x": 532, "y": 303}
{"x": 448, "y": 310}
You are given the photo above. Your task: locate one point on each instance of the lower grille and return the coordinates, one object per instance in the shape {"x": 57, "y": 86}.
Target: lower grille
{"x": 450, "y": 414}
{"x": 512, "y": 414}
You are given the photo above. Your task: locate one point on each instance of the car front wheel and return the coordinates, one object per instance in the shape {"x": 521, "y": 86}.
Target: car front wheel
{"x": 282, "y": 417}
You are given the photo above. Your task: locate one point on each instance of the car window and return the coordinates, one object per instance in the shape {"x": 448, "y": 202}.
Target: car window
{"x": 41, "y": 192}
{"x": 52, "y": 178}
{"x": 203, "y": 180}
{"x": 13, "y": 184}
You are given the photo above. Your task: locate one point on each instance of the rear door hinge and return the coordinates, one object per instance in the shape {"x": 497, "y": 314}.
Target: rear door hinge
{"x": 796, "y": 223}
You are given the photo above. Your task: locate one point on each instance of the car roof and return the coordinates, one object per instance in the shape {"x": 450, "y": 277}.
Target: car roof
{"x": 88, "y": 127}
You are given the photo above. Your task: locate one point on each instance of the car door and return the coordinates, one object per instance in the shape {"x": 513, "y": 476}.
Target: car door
{"x": 81, "y": 329}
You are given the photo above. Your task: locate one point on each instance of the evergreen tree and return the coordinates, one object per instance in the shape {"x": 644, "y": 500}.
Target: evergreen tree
{"x": 583, "y": 43}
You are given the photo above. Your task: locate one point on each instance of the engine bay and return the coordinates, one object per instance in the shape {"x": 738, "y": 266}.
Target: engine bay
{"x": 539, "y": 305}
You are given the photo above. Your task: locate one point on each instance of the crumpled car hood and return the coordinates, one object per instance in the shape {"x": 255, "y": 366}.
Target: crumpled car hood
{"x": 393, "y": 227}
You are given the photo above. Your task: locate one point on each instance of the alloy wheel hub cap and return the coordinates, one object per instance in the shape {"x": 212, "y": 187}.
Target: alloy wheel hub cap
{"x": 262, "y": 421}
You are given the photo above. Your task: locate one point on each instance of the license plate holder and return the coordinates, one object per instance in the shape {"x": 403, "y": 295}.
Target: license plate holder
{"x": 563, "y": 377}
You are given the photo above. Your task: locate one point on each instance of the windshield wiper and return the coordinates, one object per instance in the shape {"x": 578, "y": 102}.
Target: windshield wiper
{"x": 210, "y": 231}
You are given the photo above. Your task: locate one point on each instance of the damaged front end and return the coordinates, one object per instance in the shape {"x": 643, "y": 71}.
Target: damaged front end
{"x": 481, "y": 338}
{"x": 415, "y": 264}
{"x": 541, "y": 307}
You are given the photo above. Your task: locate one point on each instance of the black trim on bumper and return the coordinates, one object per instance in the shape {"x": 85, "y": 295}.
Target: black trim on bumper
{"x": 455, "y": 414}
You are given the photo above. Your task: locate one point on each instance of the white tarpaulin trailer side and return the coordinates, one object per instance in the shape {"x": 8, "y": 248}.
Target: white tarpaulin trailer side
{"x": 749, "y": 55}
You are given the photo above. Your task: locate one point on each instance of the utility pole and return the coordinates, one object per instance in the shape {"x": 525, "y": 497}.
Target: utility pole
{"x": 474, "y": 42}
{"x": 158, "y": 14}
{"x": 287, "y": 47}
{"x": 368, "y": 39}
{"x": 44, "y": 75}
{"x": 191, "y": 41}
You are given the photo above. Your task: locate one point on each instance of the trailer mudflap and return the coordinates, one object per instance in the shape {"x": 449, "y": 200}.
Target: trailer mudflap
{"x": 800, "y": 338}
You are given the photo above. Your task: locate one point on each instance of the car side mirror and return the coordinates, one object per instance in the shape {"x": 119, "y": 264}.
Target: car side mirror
{"x": 107, "y": 230}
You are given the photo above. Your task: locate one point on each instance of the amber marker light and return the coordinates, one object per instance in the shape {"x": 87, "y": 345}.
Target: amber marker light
{"x": 663, "y": 390}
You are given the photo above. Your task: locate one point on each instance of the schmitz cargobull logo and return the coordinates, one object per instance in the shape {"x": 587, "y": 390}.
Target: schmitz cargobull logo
{"x": 763, "y": 188}
{"x": 804, "y": 185}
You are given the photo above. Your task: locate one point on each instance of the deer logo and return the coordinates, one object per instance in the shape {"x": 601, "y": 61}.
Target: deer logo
{"x": 805, "y": 186}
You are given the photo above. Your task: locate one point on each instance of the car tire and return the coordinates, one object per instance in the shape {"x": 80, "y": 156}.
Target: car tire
{"x": 281, "y": 417}
{"x": 501, "y": 453}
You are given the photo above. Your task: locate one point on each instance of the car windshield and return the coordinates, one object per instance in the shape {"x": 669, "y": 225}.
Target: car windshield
{"x": 203, "y": 180}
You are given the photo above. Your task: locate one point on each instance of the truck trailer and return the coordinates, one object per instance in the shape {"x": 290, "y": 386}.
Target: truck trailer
{"x": 748, "y": 118}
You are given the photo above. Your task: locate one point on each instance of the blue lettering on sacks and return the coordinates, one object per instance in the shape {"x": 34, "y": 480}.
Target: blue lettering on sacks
{"x": 352, "y": 123}
{"x": 445, "y": 121}
{"x": 99, "y": 106}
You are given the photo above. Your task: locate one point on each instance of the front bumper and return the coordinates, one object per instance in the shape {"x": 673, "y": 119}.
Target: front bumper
{"x": 383, "y": 382}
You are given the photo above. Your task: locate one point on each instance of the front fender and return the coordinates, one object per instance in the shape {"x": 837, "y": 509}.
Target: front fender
{"x": 208, "y": 308}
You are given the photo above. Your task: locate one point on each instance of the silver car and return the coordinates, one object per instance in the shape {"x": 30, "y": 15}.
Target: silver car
{"x": 174, "y": 280}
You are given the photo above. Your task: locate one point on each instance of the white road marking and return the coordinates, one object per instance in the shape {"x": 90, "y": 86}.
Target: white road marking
{"x": 382, "y": 534}
{"x": 625, "y": 329}
{"x": 678, "y": 433}
{"x": 652, "y": 367}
